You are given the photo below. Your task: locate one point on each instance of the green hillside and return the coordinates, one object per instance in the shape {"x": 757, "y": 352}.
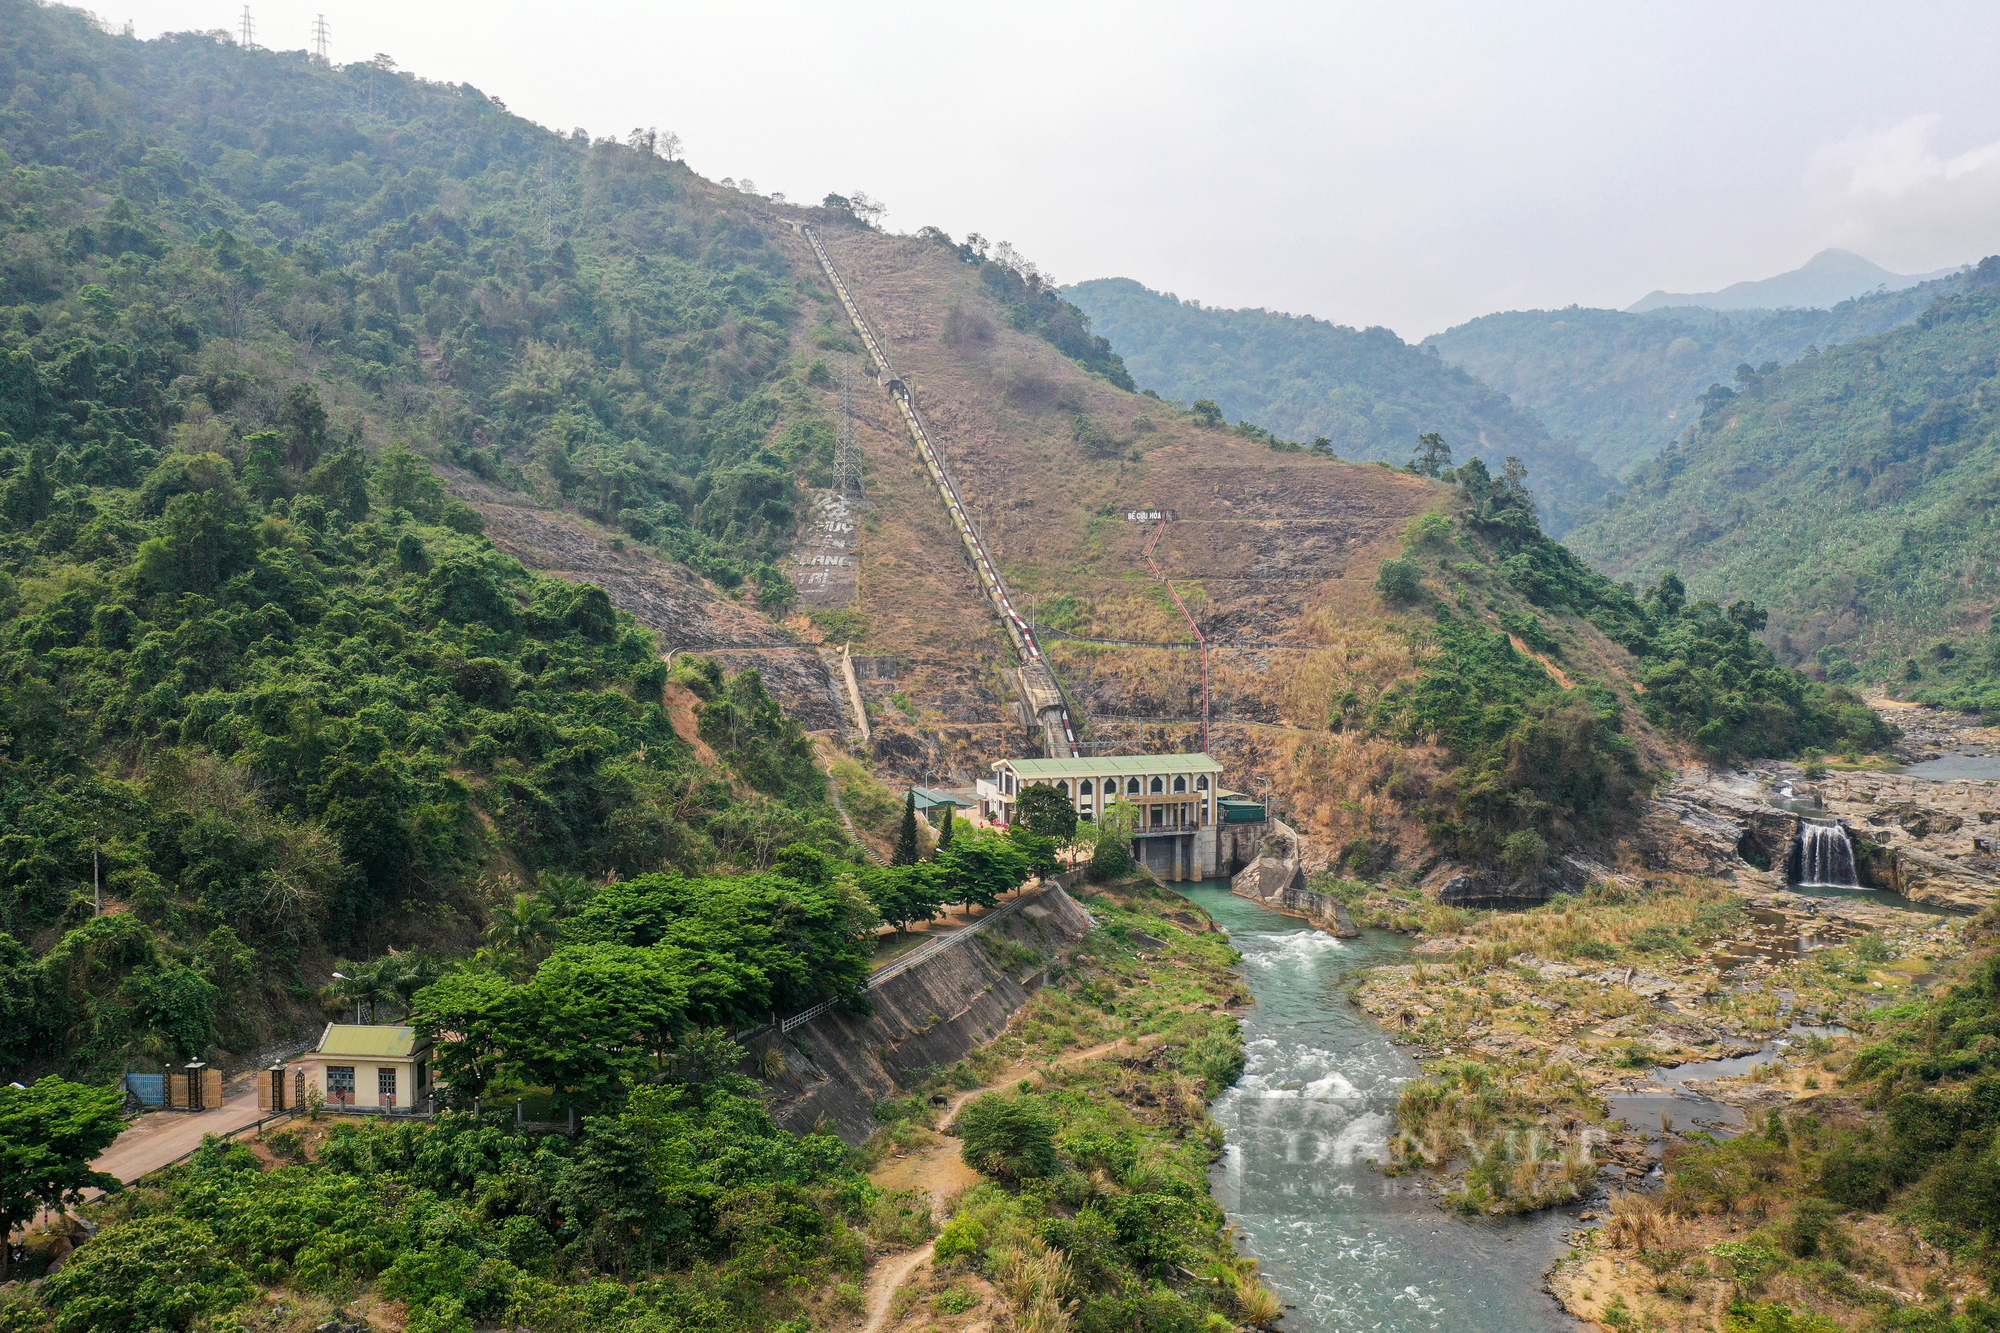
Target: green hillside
{"x": 1852, "y": 492}
{"x": 1366, "y": 390}
{"x": 1622, "y": 385}
{"x": 258, "y": 673}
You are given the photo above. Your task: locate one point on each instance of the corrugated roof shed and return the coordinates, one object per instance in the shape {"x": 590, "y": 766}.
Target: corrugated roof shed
{"x": 381, "y": 1041}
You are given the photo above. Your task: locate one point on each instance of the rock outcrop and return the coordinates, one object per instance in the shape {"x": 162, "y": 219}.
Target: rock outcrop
{"x": 1278, "y": 879}
{"x": 1931, "y": 841}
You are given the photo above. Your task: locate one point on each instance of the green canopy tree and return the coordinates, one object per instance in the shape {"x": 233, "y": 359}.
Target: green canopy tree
{"x": 1046, "y": 813}
{"x": 980, "y": 867}
{"x": 49, "y": 1134}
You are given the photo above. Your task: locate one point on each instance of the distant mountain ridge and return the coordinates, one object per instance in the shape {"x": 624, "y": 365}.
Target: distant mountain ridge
{"x": 1366, "y": 390}
{"x": 1621, "y": 386}
{"x": 1851, "y": 492}
{"x": 1825, "y": 280}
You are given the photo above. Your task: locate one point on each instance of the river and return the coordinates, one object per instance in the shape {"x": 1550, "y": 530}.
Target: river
{"x": 1351, "y": 1248}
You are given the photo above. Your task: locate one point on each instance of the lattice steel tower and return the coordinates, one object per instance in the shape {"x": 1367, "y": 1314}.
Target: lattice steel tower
{"x": 846, "y": 448}
{"x": 320, "y": 39}
{"x": 247, "y": 31}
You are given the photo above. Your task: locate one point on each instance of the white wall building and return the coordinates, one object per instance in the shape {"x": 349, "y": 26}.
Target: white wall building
{"x": 1188, "y": 827}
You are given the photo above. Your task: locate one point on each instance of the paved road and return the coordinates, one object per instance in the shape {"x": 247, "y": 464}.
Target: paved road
{"x": 158, "y": 1137}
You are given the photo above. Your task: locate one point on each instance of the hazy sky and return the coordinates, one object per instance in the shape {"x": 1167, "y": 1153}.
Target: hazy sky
{"x": 1405, "y": 164}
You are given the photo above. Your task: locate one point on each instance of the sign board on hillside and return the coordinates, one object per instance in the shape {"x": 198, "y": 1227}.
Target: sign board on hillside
{"x": 1149, "y": 516}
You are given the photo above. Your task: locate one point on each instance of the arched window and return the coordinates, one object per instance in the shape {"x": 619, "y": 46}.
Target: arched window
{"x": 1084, "y": 788}
{"x": 1063, "y": 787}
{"x": 1132, "y": 786}
{"x": 1158, "y": 786}
{"x": 1201, "y": 783}
{"x": 1180, "y": 782}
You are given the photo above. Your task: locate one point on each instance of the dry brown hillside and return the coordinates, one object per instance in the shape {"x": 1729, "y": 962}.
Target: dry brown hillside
{"x": 1275, "y": 554}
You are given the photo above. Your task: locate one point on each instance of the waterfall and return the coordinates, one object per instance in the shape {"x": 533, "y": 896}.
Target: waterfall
{"x": 1825, "y": 857}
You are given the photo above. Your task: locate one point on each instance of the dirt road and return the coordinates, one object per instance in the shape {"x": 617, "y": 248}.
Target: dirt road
{"x": 939, "y": 1169}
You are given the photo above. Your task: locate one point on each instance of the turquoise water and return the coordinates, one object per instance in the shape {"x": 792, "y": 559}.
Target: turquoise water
{"x": 1351, "y": 1248}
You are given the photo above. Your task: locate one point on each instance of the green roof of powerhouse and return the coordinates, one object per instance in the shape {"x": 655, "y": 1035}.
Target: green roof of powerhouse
{"x": 1137, "y": 765}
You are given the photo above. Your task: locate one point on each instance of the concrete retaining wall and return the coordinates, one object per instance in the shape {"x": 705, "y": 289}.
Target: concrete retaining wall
{"x": 839, "y": 1065}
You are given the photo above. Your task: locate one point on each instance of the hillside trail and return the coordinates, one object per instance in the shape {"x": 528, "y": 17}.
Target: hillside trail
{"x": 940, "y": 1169}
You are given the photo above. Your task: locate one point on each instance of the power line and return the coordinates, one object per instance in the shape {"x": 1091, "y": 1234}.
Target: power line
{"x": 320, "y": 38}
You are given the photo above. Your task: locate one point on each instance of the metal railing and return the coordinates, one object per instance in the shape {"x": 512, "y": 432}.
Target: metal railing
{"x": 929, "y": 949}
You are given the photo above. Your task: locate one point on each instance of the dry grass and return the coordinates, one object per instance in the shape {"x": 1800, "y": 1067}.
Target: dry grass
{"x": 1525, "y": 1136}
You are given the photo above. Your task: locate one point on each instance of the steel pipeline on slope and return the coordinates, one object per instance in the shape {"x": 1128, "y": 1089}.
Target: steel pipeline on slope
{"x": 1038, "y": 678}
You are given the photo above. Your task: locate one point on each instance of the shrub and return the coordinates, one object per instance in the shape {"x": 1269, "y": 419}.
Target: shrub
{"x": 153, "y": 1273}
{"x": 964, "y": 1238}
{"x": 1400, "y": 580}
{"x": 1009, "y": 1138}
{"x": 1111, "y": 859}
{"x": 1525, "y": 851}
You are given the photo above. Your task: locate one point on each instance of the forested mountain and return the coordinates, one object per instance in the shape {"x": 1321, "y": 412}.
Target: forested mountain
{"x": 1825, "y": 280}
{"x": 1622, "y": 385}
{"x": 1852, "y": 492}
{"x": 259, "y": 675}
{"x": 1365, "y": 390}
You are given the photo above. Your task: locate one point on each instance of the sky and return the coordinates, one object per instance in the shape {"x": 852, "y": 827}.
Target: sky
{"x": 1407, "y": 164}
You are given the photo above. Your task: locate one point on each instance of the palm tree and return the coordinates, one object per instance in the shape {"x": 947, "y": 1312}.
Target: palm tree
{"x": 406, "y": 974}
{"x": 524, "y": 927}
{"x": 566, "y": 892}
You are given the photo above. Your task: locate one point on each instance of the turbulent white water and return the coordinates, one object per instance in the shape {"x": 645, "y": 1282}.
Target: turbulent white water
{"x": 1825, "y": 856}
{"x": 1352, "y": 1248}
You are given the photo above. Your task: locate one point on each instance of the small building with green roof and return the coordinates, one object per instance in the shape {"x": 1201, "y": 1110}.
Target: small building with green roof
{"x": 381, "y": 1065}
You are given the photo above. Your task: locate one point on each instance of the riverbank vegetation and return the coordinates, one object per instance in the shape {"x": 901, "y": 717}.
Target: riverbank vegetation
{"x": 1861, "y": 1198}
{"x": 1092, "y": 1145}
{"x": 1531, "y": 1018}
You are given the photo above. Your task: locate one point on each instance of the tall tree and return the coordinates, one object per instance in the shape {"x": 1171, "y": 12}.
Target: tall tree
{"x": 1046, "y": 813}
{"x": 1433, "y": 455}
{"x": 944, "y": 833}
{"x": 48, "y": 1135}
{"x": 908, "y": 849}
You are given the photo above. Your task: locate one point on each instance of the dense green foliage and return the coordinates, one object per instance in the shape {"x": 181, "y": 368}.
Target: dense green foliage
{"x": 1850, "y": 492}
{"x": 1921, "y": 1146}
{"x": 1366, "y": 392}
{"x": 1542, "y": 765}
{"x": 644, "y": 972}
{"x": 50, "y": 1133}
{"x": 683, "y": 1209}
{"x": 1623, "y": 385}
{"x": 263, "y": 683}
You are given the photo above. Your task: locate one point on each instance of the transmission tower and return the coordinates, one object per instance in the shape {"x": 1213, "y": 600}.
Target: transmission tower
{"x": 320, "y": 39}
{"x": 846, "y": 449}
{"x": 247, "y": 31}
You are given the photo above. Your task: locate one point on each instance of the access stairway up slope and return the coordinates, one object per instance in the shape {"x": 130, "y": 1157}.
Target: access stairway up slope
{"x": 1038, "y": 685}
